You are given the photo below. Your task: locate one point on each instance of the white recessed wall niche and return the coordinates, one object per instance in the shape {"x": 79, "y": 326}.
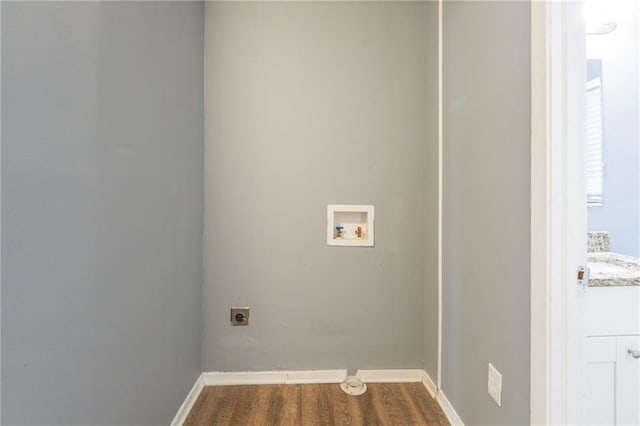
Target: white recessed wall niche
{"x": 350, "y": 225}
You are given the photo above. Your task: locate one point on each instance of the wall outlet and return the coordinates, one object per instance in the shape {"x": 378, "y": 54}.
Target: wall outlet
{"x": 495, "y": 385}
{"x": 240, "y": 316}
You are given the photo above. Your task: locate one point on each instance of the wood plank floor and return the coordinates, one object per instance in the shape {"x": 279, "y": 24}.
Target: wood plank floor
{"x": 326, "y": 404}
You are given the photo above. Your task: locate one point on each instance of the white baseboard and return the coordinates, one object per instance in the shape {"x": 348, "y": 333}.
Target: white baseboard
{"x": 309, "y": 376}
{"x": 429, "y": 384}
{"x": 273, "y": 377}
{"x": 244, "y": 378}
{"x": 316, "y": 376}
{"x": 448, "y": 409}
{"x": 390, "y": 376}
{"x": 187, "y": 405}
{"x": 439, "y": 396}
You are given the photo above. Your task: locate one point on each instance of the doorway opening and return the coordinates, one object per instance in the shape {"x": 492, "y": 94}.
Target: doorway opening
{"x": 612, "y": 180}
{"x": 584, "y": 337}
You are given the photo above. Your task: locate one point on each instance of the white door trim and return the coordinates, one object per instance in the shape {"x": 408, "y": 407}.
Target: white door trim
{"x": 540, "y": 216}
{"x": 558, "y": 214}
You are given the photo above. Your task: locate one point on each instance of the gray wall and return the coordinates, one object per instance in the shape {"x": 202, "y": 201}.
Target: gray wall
{"x": 430, "y": 217}
{"x": 620, "y": 212}
{"x": 310, "y": 104}
{"x": 487, "y": 134}
{"x": 102, "y": 113}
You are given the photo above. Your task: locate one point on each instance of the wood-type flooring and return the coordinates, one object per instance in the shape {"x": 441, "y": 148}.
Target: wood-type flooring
{"x": 317, "y": 404}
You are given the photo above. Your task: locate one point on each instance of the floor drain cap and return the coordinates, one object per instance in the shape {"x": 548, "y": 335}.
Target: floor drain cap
{"x": 353, "y": 386}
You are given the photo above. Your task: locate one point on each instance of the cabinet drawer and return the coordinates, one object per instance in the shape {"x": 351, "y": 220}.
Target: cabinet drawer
{"x": 613, "y": 311}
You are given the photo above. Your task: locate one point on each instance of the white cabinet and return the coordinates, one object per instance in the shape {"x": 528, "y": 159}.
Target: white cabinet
{"x": 613, "y": 381}
{"x": 627, "y": 381}
{"x": 613, "y": 374}
{"x": 601, "y": 381}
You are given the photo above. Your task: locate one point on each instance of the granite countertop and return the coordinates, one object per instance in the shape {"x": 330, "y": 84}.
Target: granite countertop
{"x": 598, "y": 241}
{"x": 613, "y": 270}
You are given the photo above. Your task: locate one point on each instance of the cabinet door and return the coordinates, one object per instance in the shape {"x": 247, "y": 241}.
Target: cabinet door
{"x": 600, "y": 407}
{"x": 627, "y": 381}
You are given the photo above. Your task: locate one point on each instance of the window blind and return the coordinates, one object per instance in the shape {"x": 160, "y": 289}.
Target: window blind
{"x": 594, "y": 161}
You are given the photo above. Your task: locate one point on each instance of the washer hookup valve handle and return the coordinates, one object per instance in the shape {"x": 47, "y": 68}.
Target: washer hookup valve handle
{"x": 339, "y": 231}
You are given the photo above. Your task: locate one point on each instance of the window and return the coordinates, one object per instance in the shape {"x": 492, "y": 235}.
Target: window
{"x": 594, "y": 163}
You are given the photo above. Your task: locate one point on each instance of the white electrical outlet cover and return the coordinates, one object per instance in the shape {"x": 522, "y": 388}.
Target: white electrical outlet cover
{"x": 495, "y": 385}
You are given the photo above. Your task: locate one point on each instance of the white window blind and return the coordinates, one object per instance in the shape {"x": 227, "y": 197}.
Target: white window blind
{"x": 594, "y": 163}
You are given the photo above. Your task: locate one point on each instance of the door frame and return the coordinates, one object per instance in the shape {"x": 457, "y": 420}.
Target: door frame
{"x": 558, "y": 212}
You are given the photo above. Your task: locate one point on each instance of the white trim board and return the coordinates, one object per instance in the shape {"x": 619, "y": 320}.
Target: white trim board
{"x": 315, "y": 376}
{"x": 273, "y": 377}
{"x": 448, "y": 409}
{"x": 390, "y": 376}
{"x": 541, "y": 231}
{"x": 309, "y": 376}
{"x": 558, "y": 237}
{"x": 440, "y": 183}
{"x": 187, "y": 405}
{"x": 442, "y": 400}
{"x": 429, "y": 384}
